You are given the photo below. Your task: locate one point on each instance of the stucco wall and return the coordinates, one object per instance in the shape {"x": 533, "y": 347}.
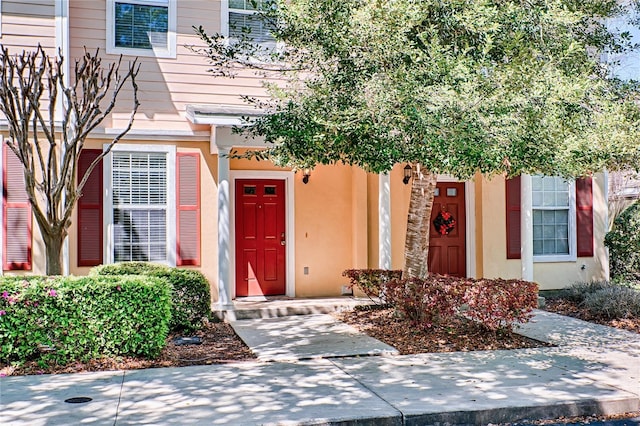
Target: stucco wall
{"x": 208, "y": 205}
{"x": 549, "y": 275}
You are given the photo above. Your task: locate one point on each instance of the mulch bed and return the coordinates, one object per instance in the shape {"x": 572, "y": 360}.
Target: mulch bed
{"x": 221, "y": 345}
{"x": 571, "y": 309}
{"x": 460, "y": 336}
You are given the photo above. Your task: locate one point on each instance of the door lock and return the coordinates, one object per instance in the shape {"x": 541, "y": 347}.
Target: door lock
{"x": 282, "y": 240}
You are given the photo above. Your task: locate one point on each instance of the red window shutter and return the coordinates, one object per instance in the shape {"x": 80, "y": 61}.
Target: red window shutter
{"x": 584, "y": 217}
{"x": 90, "y": 211}
{"x": 513, "y": 218}
{"x": 16, "y": 213}
{"x": 188, "y": 206}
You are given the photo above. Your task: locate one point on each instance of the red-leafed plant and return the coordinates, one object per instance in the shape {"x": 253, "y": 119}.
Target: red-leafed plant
{"x": 500, "y": 304}
{"x": 371, "y": 281}
{"x": 435, "y": 301}
{"x": 430, "y": 302}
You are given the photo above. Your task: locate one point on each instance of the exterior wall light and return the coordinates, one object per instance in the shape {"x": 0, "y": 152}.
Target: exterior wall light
{"x": 407, "y": 174}
{"x": 306, "y": 174}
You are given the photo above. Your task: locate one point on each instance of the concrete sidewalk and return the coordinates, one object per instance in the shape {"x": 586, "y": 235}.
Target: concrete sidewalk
{"x": 594, "y": 369}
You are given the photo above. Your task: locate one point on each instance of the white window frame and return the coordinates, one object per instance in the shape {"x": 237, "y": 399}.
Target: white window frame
{"x": 572, "y": 256}
{"x": 170, "y": 151}
{"x": 224, "y": 21}
{"x": 169, "y": 52}
{"x": 0, "y": 25}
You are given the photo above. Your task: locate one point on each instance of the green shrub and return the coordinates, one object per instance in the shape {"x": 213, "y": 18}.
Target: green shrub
{"x": 61, "y": 319}
{"x": 577, "y": 292}
{"x": 190, "y": 300}
{"x": 613, "y": 302}
{"x": 623, "y": 242}
{"x": 371, "y": 281}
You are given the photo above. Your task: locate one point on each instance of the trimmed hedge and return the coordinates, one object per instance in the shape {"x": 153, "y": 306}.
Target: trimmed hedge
{"x": 62, "y": 319}
{"x": 190, "y": 300}
{"x": 436, "y": 300}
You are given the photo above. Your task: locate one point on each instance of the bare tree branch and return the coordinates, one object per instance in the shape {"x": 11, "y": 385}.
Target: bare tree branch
{"x": 31, "y": 85}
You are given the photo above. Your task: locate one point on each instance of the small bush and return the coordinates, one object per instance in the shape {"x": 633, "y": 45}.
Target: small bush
{"x": 190, "y": 299}
{"x": 437, "y": 300}
{"x": 371, "y": 281}
{"x": 613, "y": 302}
{"x": 500, "y": 304}
{"x": 577, "y": 292}
{"x": 61, "y": 319}
{"x": 426, "y": 303}
{"x": 623, "y": 242}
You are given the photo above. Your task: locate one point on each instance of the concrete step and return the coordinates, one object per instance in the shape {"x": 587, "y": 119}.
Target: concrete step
{"x": 273, "y": 307}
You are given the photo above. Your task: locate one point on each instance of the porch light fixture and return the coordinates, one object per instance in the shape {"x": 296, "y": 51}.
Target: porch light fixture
{"x": 407, "y": 174}
{"x": 306, "y": 174}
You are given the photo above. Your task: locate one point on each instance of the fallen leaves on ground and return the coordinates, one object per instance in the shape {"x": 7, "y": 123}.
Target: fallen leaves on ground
{"x": 462, "y": 335}
{"x": 220, "y": 344}
{"x": 572, "y": 309}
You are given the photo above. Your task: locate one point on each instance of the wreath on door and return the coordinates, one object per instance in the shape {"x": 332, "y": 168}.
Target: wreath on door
{"x": 444, "y": 223}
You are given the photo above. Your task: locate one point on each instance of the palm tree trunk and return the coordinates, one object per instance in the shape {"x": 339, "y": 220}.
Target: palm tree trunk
{"x": 416, "y": 248}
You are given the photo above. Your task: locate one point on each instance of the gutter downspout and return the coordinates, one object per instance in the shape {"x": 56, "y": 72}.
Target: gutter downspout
{"x": 62, "y": 43}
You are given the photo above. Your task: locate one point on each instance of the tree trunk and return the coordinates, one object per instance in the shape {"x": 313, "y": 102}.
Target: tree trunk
{"x": 416, "y": 248}
{"x": 53, "y": 247}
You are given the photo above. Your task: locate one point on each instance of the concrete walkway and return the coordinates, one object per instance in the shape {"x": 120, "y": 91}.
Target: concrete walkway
{"x": 594, "y": 369}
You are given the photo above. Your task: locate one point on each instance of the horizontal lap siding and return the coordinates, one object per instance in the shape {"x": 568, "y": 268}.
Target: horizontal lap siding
{"x": 27, "y": 23}
{"x": 167, "y": 85}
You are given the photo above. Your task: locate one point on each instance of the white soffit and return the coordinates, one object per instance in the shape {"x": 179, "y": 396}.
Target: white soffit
{"x": 221, "y": 115}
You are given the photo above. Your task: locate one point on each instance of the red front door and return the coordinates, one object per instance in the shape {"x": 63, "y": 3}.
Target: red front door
{"x": 260, "y": 237}
{"x": 447, "y": 251}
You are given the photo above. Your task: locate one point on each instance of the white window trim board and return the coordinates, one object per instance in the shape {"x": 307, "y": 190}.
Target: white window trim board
{"x": 573, "y": 248}
{"x": 169, "y": 52}
{"x": 170, "y": 150}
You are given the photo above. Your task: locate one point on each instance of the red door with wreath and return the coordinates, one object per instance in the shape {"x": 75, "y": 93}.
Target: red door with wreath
{"x": 260, "y": 237}
{"x": 447, "y": 247}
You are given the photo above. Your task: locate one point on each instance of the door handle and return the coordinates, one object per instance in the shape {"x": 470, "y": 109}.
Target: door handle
{"x": 282, "y": 240}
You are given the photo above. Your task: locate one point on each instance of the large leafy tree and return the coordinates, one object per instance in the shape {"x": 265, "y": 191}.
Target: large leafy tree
{"x": 49, "y": 120}
{"x": 450, "y": 86}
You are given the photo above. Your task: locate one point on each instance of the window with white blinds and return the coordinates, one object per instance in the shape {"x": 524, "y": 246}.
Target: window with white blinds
{"x": 244, "y": 20}
{"x": 142, "y": 205}
{"x": 141, "y": 27}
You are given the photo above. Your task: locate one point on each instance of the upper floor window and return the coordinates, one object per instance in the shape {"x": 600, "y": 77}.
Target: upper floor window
{"x": 244, "y": 20}
{"x": 142, "y": 27}
{"x": 553, "y": 217}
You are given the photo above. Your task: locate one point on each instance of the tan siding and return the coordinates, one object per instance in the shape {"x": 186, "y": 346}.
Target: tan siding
{"x": 28, "y": 8}
{"x": 27, "y": 23}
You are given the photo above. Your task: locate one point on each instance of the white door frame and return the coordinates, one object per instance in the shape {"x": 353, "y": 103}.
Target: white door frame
{"x": 287, "y": 177}
{"x": 470, "y": 222}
